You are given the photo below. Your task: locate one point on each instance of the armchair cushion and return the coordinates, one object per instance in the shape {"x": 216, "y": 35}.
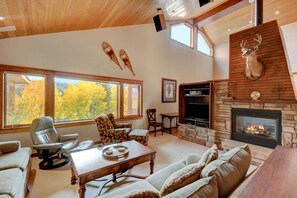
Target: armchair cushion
{"x": 118, "y": 125}
{"x": 68, "y": 137}
{"x": 43, "y": 131}
{"x": 123, "y": 125}
{"x": 69, "y": 145}
{"x": 17, "y": 159}
{"x": 50, "y": 146}
{"x": 9, "y": 146}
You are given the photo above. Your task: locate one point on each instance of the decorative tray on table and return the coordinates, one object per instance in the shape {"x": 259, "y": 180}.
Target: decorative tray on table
{"x": 115, "y": 151}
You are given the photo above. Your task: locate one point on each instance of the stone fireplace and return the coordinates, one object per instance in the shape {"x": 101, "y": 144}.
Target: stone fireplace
{"x": 256, "y": 126}
{"x": 223, "y": 115}
{"x": 221, "y": 134}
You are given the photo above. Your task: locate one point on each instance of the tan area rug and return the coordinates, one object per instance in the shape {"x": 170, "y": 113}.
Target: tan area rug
{"x": 56, "y": 183}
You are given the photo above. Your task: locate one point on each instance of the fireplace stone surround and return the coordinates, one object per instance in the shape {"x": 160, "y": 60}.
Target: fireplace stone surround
{"x": 221, "y": 132}
{"x": 222, "y": 115}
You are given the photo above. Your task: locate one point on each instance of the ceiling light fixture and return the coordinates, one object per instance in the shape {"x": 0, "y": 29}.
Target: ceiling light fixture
{"x": 7, "y": 28}
{"x": 229, "y": 30}
{"x": 2, "y": 18}
{"x": 276, "y": 12}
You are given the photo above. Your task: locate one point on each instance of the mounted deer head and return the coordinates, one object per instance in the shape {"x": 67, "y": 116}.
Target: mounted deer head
{"x": 254, "y": 69}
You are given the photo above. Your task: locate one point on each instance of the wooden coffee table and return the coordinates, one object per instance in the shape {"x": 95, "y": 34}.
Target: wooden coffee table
{"x": 90, "y": 164}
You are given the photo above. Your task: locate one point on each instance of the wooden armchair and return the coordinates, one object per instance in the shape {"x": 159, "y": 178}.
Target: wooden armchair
{"x": 110, "y": 132}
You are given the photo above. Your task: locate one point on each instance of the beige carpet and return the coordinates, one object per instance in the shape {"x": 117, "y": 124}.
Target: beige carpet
{"x": 56, "y": 183}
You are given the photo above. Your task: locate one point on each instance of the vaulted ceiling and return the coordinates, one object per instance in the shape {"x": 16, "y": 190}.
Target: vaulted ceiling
{"x": 32, "y": 17}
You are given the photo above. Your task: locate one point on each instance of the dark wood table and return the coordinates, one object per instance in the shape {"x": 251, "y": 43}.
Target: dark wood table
{"x": 277, "y": 177}
{"x": 90, "y": 164}
{"x": 170, "y": 116}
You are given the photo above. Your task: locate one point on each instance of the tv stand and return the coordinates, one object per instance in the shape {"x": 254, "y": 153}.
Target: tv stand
{"x": 195, "y": 101}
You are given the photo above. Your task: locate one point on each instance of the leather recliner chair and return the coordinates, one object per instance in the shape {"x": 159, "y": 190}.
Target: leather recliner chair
{"x": 52, "y": 148}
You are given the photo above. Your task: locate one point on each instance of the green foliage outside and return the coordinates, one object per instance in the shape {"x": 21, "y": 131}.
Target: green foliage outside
{"x": 83, "y": 100}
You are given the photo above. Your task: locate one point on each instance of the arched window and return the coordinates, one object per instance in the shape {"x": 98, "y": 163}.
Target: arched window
{"x": 203, "y": 45}
{"x": 183, "y": 33}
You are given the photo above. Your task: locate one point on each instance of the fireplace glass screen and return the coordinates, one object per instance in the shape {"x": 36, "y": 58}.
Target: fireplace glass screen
{"x": 257, "y": 126}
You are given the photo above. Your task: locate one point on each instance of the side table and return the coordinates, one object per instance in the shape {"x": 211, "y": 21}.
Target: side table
{"x": 170, "y": 116}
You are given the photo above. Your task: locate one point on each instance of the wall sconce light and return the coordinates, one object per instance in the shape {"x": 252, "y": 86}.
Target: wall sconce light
{"x": 110, "y": 53}
{"x": 126, "y": 60}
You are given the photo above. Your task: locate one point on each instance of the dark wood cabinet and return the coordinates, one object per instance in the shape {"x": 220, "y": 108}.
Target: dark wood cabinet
{"x": 195, "y": 104}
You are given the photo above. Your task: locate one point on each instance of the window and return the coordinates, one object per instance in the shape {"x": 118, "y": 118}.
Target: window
{"x": 182, "y": 33}
{"x": 84, "y": 100}
{"x": 203, "y": 45}
{"x": 25, "y": 99}
{"x": 131, "y": 99}
{"x": 69, "y": 98}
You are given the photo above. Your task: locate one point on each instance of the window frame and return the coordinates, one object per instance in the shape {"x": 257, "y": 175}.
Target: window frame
{"x": 50, "y": 95}
{"x": 4, "y": 104}
{"x": 191, "y": 33}
{"x": 139, "y": 104}
{"x": 208, "y": 42}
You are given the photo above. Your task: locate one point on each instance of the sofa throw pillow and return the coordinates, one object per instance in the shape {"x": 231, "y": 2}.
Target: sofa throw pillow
{"x": 209, "y": 155}
{"x": 229, "y": 169}
{"x": 181, "y": 178}
{"x": 202, "y": 188}
{"x": 142, "y": 193}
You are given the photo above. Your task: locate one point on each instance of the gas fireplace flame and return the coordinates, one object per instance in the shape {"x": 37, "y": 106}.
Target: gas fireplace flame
{"x": 257, "y": 129}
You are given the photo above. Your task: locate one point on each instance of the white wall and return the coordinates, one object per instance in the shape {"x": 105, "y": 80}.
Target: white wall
{"x": 153, "y": 55}
{"x": 221, "y": 62}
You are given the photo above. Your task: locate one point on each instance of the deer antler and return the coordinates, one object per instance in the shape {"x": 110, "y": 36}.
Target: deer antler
{"x": 242, "y": 44}
{"x": 259, "y": 41}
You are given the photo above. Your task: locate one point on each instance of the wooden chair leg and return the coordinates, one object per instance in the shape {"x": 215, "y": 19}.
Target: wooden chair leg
{"x": 155, "y": 131}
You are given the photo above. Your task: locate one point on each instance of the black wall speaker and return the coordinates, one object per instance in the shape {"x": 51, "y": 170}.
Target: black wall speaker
{"x": 204, "y": 2}
{"x": 160, "y": 22}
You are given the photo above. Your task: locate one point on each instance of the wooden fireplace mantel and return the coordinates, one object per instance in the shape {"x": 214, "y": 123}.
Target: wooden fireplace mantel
{"x": 277, "y": 177}
{"x": 262, "y": 101}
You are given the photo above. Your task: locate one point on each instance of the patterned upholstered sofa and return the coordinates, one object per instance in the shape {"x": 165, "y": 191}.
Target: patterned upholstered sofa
{"x": 15, "y": 167}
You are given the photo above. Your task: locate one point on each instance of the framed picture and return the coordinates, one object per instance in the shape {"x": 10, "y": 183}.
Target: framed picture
{"x": 168, "y": 90}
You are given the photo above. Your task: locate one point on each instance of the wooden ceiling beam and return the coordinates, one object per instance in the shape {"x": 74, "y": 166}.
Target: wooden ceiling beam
{"x": 220, "y": 11}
